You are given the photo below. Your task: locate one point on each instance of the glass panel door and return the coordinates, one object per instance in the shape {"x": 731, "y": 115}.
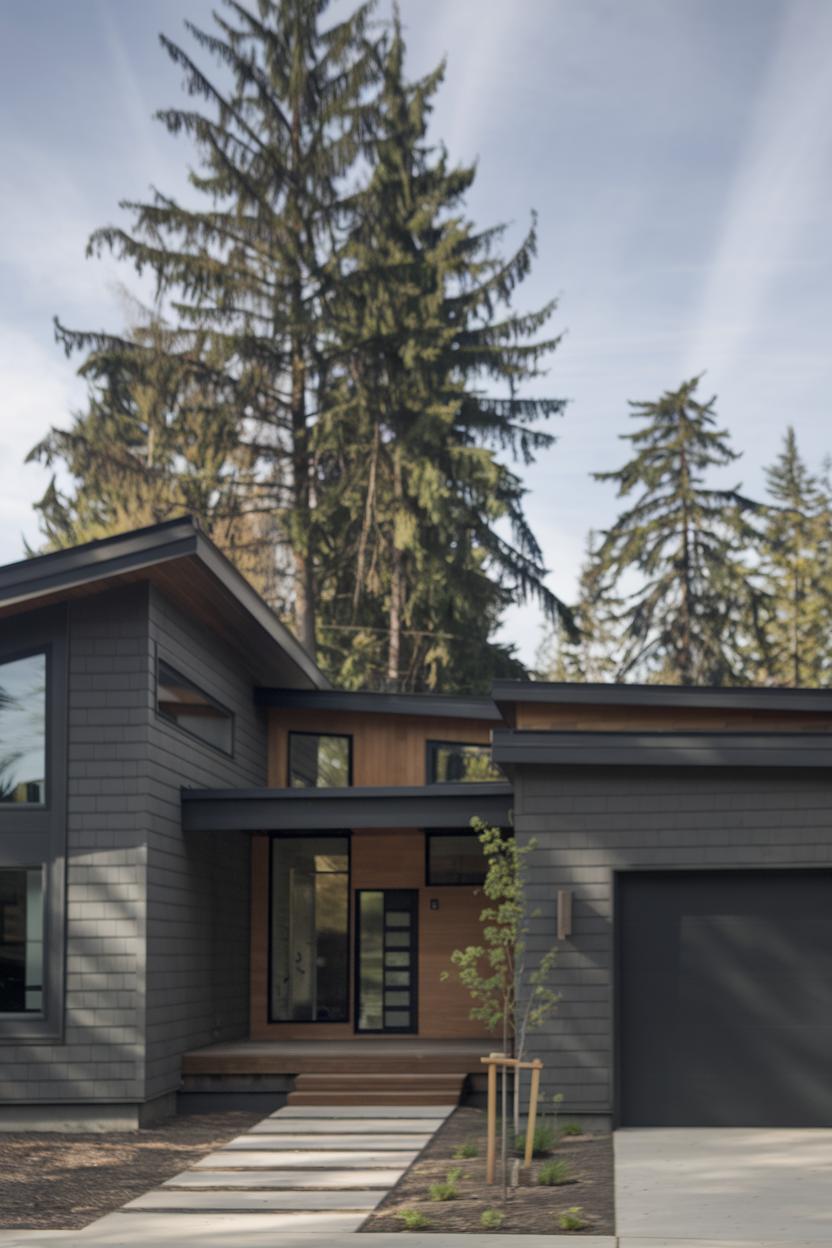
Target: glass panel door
{"x": 387, "y": 960}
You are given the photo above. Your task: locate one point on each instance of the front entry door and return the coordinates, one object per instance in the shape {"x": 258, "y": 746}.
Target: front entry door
{"x": 386, "y": 957}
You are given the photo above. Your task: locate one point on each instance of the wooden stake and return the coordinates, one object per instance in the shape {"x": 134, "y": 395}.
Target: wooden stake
{"x": 534, "y": 1092}
{"x": 491, "y": 1146}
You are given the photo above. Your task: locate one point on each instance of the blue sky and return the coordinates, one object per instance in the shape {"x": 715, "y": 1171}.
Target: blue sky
{"x": 678, "y": 152}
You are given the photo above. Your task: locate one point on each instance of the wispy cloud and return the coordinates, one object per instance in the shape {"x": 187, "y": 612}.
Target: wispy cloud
{"x": 39, "y": 390}
{"x": 776, "y": 189}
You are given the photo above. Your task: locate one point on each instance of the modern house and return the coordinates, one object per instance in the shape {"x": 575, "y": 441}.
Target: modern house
{"x": 223, "y": 882}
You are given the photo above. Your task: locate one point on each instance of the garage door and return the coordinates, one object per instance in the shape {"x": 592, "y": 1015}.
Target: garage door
{"x": 724, "y": 998}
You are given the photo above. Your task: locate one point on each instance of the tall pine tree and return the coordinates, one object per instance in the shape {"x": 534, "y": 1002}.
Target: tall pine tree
{"x": 439, "y": 540}
{"x": 158, "y": 438}
{"x": 245, "y": 272}
{"x": 795, "y": 568}
{"x": 590, "y": 652}
{"x": 691, "y": 618}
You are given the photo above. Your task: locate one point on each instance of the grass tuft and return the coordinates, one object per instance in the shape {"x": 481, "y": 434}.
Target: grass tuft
{"x": 572, "y": 1219}
{"x": 553, "y": 1173}
{"x": 413, "y": 1220}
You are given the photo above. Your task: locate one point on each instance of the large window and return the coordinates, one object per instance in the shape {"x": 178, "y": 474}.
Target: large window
{"x": 21, "y": 940}
{"x": 456, "y": 762}
{"x": 310, "y": 886}
{"x": 23, "y": 730}
{"x": 319, "y": 761}
{"x": 454, "y": 858}
{"x": 185, "y": 705}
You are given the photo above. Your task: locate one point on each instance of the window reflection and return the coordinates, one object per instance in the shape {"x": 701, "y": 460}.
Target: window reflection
{"x": 21, "y": 941}
{"x": 310, "y": 929}
{"x": 23, "y": 730}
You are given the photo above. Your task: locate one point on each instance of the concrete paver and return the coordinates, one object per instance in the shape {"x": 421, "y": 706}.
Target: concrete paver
{"x": 382, "y": 1127}
{"x": 320, "y": 1180}
{"x": 728, "y": 1186}
{"x": 330, "y": 1159}
{"x": 262, "y": 1202}
{"x": 340, "y": 1143}
{"x": 356, "y": 1112}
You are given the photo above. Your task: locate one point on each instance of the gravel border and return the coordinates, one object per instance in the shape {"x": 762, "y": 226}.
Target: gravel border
{"x": 57, "y": 1181}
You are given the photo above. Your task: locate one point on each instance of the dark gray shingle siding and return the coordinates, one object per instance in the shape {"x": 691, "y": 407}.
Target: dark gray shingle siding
{"x": 589, "y": 824}
{"x": 198, "y": 886}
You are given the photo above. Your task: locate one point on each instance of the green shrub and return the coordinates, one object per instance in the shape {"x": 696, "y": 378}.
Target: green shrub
{"x": 413, "y": 1220}
{"x": 468, "y": 1149}
{"x": 544, "y": 1141}
{"x": 571, "y": 1128}
{"x": 553, "y": 1173}
{"x": 571, "y": 1219}
{"x": 491, "y": 1219}
{"x": 449, "y": 1190}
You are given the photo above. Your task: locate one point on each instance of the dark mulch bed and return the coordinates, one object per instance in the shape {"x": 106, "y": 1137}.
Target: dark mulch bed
{"x": 529, "y": 1209}
{"x": 62, "y": 1182}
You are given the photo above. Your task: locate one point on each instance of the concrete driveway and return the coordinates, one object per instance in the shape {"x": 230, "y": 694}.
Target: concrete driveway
{"x": 729, "y": 1186}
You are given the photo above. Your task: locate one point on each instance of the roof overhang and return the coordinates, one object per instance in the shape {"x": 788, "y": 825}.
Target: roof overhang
{"x": 306, "y": 810}
{"x": 662, "y": 749}
{"x": 188, "y": 568}
{"x": 437, "y": 706}
{"x": 508, "y": 693}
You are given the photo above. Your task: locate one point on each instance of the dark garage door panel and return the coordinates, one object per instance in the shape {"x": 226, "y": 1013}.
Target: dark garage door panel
{"x": 724, "y": 998}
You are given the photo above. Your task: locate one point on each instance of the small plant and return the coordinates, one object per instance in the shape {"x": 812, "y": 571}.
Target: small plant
{"x": 571, "y": 1128}
{"x": 491, "y": 1219}
{"x": 571, "y": 1219}
{"x": 449, "y": 1190}
{"x": 466, "y": 1150}
{"x": 544, "y": 1140}
{"x": 413, "y": 1220}
{"x": 553, "y": 1173}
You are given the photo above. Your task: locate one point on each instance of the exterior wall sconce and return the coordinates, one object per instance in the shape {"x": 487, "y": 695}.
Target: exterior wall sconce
{"x": 564, "y": 913}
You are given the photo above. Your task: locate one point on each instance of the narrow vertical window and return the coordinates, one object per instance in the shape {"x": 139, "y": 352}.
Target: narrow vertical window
{"x": 310, "y": 929}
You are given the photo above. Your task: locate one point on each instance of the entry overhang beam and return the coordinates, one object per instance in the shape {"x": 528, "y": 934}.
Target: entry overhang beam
{"x": 301, "y": 810}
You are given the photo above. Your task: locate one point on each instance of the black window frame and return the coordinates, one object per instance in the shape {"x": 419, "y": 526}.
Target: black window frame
{"x": 327, "y": 834}
{"x": 29, "y": 653}
{"x": 173, "y": 722}
{"x": 431, "y": 834}
{"x": 34, "y": 836}
{"x": 342, "y": 736}
{"x": 432, "y": 745}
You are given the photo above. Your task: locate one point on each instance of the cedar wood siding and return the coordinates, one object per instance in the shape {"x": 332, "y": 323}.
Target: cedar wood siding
{"x": 589, "y": 823}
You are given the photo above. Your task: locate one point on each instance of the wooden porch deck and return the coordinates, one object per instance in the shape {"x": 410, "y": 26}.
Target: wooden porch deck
{"x": 383, "y": 1055}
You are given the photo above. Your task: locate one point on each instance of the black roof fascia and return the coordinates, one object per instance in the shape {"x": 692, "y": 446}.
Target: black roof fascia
{"x": 440, "y": 706}
{"x": 662, "y": 749}
{"x": 304, "y": 810}
{"x": 145, "y": 548}
{"x": 565, "y": 693}
{"x": 93, "y": 561}
{"x": 250, "y": 600}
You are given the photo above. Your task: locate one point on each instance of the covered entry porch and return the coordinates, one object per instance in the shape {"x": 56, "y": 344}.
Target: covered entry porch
{"x": 358, "y": 899}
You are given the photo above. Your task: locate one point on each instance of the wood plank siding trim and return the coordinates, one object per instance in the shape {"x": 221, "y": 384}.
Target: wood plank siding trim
{"x": 663, "y": 749}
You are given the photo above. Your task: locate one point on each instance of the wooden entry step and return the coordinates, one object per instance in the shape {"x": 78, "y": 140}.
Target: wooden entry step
{"x": 377, "y": 1089}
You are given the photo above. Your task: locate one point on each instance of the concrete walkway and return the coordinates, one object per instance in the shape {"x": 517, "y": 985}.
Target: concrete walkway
{"x": 723, "y": 1188}
{"x": 301, "y": 1172}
